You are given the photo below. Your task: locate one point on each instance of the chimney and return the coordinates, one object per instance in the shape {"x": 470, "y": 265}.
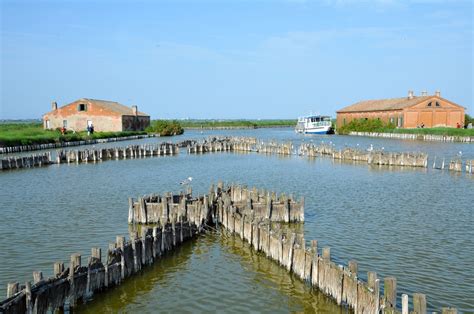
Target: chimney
{"x": 424, "y": 93}
{"x": 54, "y": 105}
{"x": 438, "y": 93}
{"x": 410, "y": 94}
{"x": 135, "y": 110}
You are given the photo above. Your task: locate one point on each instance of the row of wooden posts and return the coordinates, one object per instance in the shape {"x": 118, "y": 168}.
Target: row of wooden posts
{"x": 32, "y": 147}
{"x": 131, "y": 151}
{"x": 258, "y": 204}
{"x": 89, "y": 155}
{"x": 315, "y": 267}
{"x": 78, "y": 282}
{"x": 372, "y": 157}
{"x": 35, "y": 160}
{"x": 419, "y": 137}
{"x": 251, "y": 214}
{"x": 237, "y": 144}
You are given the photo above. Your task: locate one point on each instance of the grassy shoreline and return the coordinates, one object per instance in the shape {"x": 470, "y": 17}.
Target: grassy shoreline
{"x": 18, "y": 134}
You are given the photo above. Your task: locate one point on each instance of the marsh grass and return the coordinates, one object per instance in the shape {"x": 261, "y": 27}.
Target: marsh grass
{"x": 14, "y": 134}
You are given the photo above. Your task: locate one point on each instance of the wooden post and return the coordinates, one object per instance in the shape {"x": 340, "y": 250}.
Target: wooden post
{"x": 353, "y": 267}
{"x": 390, "y": 292}
{"x": 130, "y": 211}
{"x": 326, "y": 253}
{"x": 449, "y": 310}
{"x": 75, "y": 261}
{"x": 120, "y": 243}
{"x": 29, "y": 304}
{"x": 404, "y": 303}
{"x": 419, "y": 303}
{"x": 12, "y": 289}
{"x": 371, "y": 278}
{"x": 58, "y": 268}
{"x": 37, "y": 276}
{"x": 96, "y": 252}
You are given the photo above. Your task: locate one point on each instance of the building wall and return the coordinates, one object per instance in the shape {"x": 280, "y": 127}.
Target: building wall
{"x": 444, "y": 115}
{"x": 135, "y": 123}
{"x": 394, "y": 116}
{"x": 102, "y": 119}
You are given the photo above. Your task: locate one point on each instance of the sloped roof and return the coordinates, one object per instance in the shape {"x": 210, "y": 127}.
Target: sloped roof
{"x": 113, "y": 106}
{"x": 385, "y": 104}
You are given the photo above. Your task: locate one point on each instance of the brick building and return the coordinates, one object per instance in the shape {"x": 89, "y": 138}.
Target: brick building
{"x": 406, "y": 112}
{"x": 102, "y": 114}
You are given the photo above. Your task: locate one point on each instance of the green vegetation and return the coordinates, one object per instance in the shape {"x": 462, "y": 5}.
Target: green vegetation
{"x": 375, "y": 125}
{"x": 165, "y": 127}
{"x": 15, "y": 134}
{"x": 217, "y": 124}
{"x": 363, "y": 125}
{"x": 468, "y": 119}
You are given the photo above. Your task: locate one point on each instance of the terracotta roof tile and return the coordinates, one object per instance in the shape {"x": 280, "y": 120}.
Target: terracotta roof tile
{"x": 113, "y": 106}
{"x": 384, "y": 104}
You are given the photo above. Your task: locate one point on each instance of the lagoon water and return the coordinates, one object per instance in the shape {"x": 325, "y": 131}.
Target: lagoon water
{"x": 414, "y": 224}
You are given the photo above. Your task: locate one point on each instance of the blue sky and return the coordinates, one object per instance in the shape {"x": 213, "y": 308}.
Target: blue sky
{"x": 232, "y": 59}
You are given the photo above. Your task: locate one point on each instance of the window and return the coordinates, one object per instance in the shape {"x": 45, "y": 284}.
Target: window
{"x": 344, "y": 121}
{"x": 437, "y": 104}
{"x": 392, "y": 120}
{"x": 65, "y": 124}
{"x": 429, "y": 104}
{"x": 400, "y": 122}
{"x": 82, "y": 107}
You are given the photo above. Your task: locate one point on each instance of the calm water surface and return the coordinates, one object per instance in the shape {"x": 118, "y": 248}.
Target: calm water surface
{"x": 414, "y": 224}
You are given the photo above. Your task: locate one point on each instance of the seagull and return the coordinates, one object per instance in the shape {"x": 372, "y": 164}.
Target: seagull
{"x": 187, "y": 181}
{"x": 460, "y": 154}
{"x": 371, "y": 148}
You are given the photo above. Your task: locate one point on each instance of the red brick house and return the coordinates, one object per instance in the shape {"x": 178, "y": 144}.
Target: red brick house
{"x": 102, "y": 114}
{"x": 406, "y": 112}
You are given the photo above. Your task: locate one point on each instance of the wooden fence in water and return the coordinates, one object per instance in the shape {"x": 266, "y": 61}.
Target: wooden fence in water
{"x": 248, "y": 213}
{"x": 78, "y": 282}
{"x": 89, "y": 155}
{"x": 315, "y": 267}
{"x": 35, "y": 160}
{"x": 419, "y": 137}
{"x": 371, "y": 156}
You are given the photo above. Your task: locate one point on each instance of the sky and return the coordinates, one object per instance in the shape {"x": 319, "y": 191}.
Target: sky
{"x": 232, "y": 59}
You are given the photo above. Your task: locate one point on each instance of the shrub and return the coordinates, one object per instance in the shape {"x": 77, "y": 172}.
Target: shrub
{"x": 365, "y": 125}
{"x": 165, "y": 127}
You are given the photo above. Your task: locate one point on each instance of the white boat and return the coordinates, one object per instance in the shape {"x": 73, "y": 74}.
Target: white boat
{"x": 314, "y": 124}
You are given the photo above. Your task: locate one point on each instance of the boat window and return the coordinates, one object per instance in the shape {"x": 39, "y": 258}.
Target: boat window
{"x": 437, "y": 104}
{"x": 429, "y": 104}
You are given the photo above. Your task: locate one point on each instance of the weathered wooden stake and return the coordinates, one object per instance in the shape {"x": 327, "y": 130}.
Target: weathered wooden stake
{"x": 29, "y": 305}
{"x": 58, "y": 268}
{"x": 390, "y": 292}
{"x": 419, "y": 303}
{"x": 353, "y": 267}
{"x": 326, "y": 253}
{"x": 37, "y": 276}
{"x": 12, "y": 289}
{"x": 96, "y": 252}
